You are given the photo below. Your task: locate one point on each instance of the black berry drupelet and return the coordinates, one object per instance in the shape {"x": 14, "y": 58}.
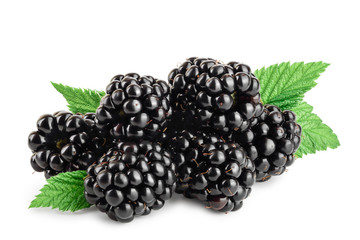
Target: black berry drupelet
{"x": 131, "y": 179}
{"x": 272, "y": 142}
{"x": 212, "y": 170}
{"x": 65, "y": 142}
{"x": 135, "y": 107}
{"x": 222, "y": 97}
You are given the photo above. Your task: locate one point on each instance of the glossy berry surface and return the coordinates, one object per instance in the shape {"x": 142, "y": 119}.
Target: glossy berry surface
{"x": 65, "y": 142}
{"x": 134, "y": 107}
{"x": 208, "y": 168}
{"x": 130, "y": 179}
{"x": 271, "y": 142}
{"x": 216, "y": 96}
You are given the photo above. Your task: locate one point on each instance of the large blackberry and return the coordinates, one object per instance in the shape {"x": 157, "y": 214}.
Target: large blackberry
{"x": 135, "y": 107}
{"x": 212, "y": 170}
{"x": 272, "y": 142}
{"x": 222, "y": 97}
{"x": 65, "y": 142}
{"x": 130, "y": 179}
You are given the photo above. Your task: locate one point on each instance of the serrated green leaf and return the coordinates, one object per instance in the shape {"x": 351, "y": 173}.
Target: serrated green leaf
{"x": 284, "y": 84}
{"x": 316, "y": 135}
{"x": 80, "y": 100}
{"x": 64, "y": 191}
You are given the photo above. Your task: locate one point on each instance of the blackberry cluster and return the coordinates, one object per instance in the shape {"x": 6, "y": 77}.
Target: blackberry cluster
{"x": 135, "y": 107}
{"x": 212, "y": 170}
{"x": 217, "y": 96}
{"x": 205, "y": 134}
{"x": 272, "y": 142}
{"x": 65, "y": 142}
{"x": 131, "y": 179}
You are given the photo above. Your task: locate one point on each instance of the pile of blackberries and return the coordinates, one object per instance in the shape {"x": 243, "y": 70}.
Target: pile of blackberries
{"x": 205, "y": 133}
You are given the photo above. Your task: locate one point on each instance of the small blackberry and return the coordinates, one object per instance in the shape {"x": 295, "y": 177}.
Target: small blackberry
{"x": 65, "y": 142}
{"x": 130, "y": 179}
{"x": 135, "y": 107}
{"x": 212, "y": 170}
{"x": 272, "y": 142}
{"x": 222, "y": 97}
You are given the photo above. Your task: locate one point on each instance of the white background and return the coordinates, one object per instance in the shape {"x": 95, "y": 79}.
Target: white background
{"x": 85, "y": 43}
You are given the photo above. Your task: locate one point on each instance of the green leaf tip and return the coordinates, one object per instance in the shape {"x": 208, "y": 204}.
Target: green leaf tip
{"x": 64, "y": 191}
{"x": 285, "y": 84}
{"x": 316, "y": 135}
{"x": 80, "y": 100}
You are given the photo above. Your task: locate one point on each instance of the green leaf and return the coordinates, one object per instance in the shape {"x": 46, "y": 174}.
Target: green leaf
{"x": 64, "y": 191}
{"x": 284, "y": 84}
{"x": 80, "y": 100}
{"x": 316, "y": 135}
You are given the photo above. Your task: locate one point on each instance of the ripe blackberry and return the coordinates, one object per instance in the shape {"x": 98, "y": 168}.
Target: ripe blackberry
{"x": 65, "y": 142}
{"x": 222, "y": 97}
{"x": 130, "y": 179}
{"x": 272, "y": 142}
{"x": 135, "y": 107}
{"x": 212, "y": 170}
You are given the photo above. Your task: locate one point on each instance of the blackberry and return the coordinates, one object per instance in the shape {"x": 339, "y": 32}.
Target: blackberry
{"x": 130, "y": 179}
{"x": 272, "y": 142}
{"x": 65, "y": 142}
{"x": 135, "y": 107}
{"x": 221, "y": 97}
{"x": 212, "y": 170}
